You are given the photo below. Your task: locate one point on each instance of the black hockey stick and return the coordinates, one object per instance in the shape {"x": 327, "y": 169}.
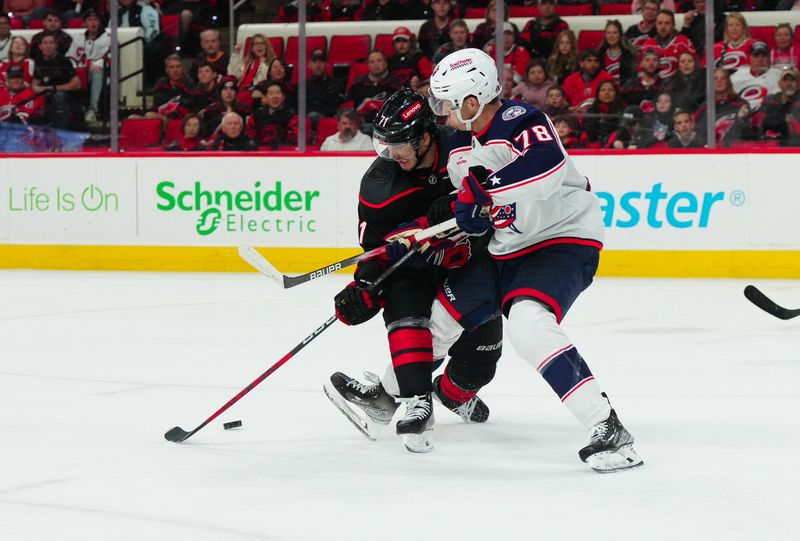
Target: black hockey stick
{"x": 755, "y": 296}
{"x": 178, "y": 435}
{"x": 262, "y": 264}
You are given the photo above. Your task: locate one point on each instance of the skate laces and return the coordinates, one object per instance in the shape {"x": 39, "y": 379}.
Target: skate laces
{"x": 417, "y": 407}
{"x": 363, "y": 388}
{"x": 465, "y": 410}
{"x": 598, "y": 431}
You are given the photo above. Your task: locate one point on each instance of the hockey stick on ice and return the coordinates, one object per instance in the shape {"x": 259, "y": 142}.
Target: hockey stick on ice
{"x": 755, "y": 296}
{"x": 178, "y": 435}
{"x": 262, "y": 264}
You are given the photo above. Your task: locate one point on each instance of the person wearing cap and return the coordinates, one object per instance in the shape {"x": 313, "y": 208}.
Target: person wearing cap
{"x": 753, "y": 84}
{"x": 514, "y": 56}
{"x": 772, "y": 118}
{"x": 634, "y": 131}
{"x": 323, "y": 92}
{"x": 541, "y": 33}
{"x": 407, "y": 61}
{"x": 368, "y": 92}
{"x": 435, "y": 32}
{"x": 668, "y": 43}
{"x": 349, "y": 138}
{"x": 226, "y": 102}
{"x": 16, "y": 98}
{"x": 91, "y": 50}
{"x": 254, "y": 70}
{"x": 52, "y": 27}
{"x": 638, "y": 33}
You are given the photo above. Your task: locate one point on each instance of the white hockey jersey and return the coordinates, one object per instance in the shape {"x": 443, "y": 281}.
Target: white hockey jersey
{"x": 754, "y": 88}
{"x": 538, "y": 196}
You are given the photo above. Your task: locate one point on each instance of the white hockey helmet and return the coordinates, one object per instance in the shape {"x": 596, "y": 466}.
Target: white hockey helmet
{"x": 468, "y": 72}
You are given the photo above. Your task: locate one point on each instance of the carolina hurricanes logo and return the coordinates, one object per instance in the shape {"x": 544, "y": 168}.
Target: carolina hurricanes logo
{"x": 733, "y": 59}
{"x": 753, "y": 93}
{"x": 411, "y": 111}
{"x": 668, "y": 65}
{"x": 724, "y": 123}
{"x": 504, "y": 216}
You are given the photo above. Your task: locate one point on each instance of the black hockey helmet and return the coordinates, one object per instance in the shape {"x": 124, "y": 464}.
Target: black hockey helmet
{"x": 403, "y": 120}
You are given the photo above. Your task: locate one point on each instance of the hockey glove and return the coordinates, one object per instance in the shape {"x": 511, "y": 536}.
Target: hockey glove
{"x": 441, "y": 209}
{"x": 400, "y": 241}
{"x": 472, "y": 198}
{"x": 355, "y": 304}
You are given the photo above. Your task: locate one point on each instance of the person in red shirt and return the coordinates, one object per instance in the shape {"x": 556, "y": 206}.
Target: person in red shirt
{"x": 733, "y": 51}
{"x": 668, "y": 43}
{"x": 189, "y": 139}
{"x": 580, "y": 88}
{"x": 17, "y": 101}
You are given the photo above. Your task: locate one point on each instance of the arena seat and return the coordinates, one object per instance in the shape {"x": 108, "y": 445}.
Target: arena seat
{"x": 623, "y": 8}
{"x": 574, "y": 10}
{"x": 765, "y": 34}
{"x": 173, "y": 131}
{"x": 523, "y": 11}
{"x": 475, "y": 13}
{"x": 139, "y": 133}
{"x": 83, "y": 76}
{"x": 312, "y": 43}
{"x": 355, "y": 71}
{"x": 327, "y": 126}
{"x": 36, "y": 24}
{"x": 383, "y": 42}
{"x": 590, "y": 39}
{"x": 348, "y": 49}
{"x": 17, "y": 23}
{"x": 171, "y": 25}
{"x": 75, "y": 22}
{"x": 277, "y": 46}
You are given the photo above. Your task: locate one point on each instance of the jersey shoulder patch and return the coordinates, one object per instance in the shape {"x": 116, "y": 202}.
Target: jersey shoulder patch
{"x": 513, "y": 112}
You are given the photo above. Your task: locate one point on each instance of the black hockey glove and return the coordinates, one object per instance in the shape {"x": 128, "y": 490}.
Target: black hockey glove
{"x": 355, "y": 304}
{"x": 441, "y": 209}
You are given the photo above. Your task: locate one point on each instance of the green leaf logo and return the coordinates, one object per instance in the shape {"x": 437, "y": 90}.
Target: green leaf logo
{"x": 208, "y": 221}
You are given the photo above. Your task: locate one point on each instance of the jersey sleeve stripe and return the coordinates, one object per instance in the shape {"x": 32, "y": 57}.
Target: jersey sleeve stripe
{"x": 459, "y": 149}
{"x": 529, "y": 180}
{"x": 390, "y": 200}
{"x": 550, "y": 242}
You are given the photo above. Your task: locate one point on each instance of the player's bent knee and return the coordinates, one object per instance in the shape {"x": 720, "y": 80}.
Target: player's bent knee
{"x": 533, "y": 331}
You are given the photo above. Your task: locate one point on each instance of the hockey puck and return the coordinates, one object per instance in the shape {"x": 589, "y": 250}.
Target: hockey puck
{"x": 232, "y": 424}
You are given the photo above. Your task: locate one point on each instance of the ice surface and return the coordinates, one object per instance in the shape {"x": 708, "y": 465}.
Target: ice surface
{"x": 95, "y": 367}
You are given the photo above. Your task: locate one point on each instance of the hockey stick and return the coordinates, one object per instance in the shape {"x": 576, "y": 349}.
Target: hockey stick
{"x": 262, "y": 264}
{"x": 178, "y": 435}
{"x": 755, "y": 296}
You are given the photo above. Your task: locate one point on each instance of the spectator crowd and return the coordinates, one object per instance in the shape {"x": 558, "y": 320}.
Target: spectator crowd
{"x": 640, "y": 86}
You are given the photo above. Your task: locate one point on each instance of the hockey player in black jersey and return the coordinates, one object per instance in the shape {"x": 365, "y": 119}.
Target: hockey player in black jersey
{"x": 408, "y": 180}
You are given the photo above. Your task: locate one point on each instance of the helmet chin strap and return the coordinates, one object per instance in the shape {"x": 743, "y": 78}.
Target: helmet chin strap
{"x": 468, "y": 123}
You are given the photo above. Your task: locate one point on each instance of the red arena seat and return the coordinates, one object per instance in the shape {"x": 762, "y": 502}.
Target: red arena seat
{"x": 140, "y": 133}
{"x": 75, "y": 23}
{"x": 36, "y": 24}
{"x": 383, "y": 43}
{"x": 574, "y": 11}
{"x": 173, "y": 131}
{"x": 475, "y": 13}
{"x": 355, "y": 71}
{"x": 327, "y": 126}
{"x": 277, "y": 46}
{"x": 312, "y": 44}
{"x": 615, "y": 9}
{"x": 765, "y": 34}
{"x": 348, "y": 49}
{"x": 590, "y": 39}
{"x": 523, "y": 11}
{"x": 17, "y": 23}
{"x": 171, "y": 25}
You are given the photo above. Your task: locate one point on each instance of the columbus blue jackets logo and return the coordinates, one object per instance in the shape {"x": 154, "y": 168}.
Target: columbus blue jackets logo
{"x": 504, "y": 216}
{"x": 513, "y": 112}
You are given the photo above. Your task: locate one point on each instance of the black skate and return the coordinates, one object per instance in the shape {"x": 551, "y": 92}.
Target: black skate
{"x": 416, "y": 426}
{"x": 473, "y": 410}
{"x": 610, "y": 448}
{"x": 368, "y": 406}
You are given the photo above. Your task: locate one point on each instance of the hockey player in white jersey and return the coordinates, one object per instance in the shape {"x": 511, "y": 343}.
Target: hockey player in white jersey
{"x": 506, "y": 158}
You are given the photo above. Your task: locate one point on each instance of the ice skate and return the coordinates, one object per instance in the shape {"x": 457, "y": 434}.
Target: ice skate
{"x": 416, "y": 426}
{"x": 610, "y": 447}
{"x": 474, "y": 410}
{"x": 367, "y": 405}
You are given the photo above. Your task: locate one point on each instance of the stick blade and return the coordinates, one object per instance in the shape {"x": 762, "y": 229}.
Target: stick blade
{"x": 754, "y": 295}
{"x": 261, "y": 264}
{"x": 176, "y": 435}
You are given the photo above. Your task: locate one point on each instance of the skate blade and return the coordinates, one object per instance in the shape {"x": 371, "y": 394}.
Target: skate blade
{"x": 624, "y": 458}
{"x": 419, "y": 443}
{"x": 365, "y": 425}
